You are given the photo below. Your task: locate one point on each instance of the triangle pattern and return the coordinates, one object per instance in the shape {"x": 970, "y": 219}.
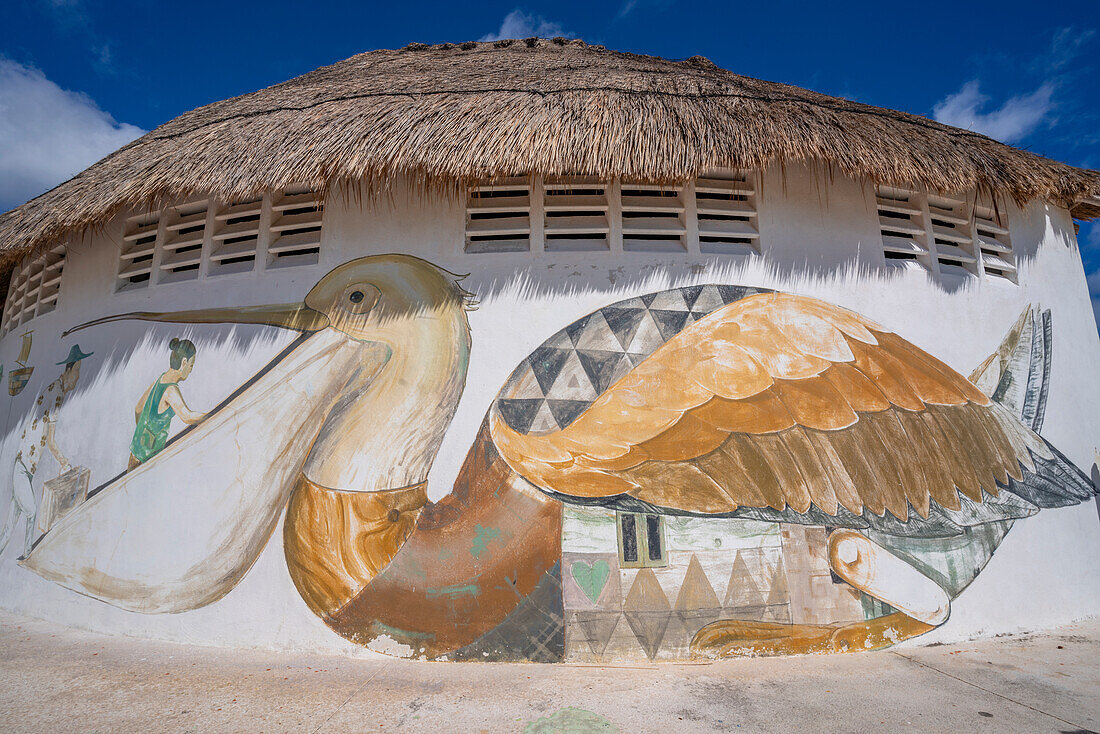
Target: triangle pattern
{"x": 572, "y": 382}
{"x": 520, "y": 414}
{"x": 544, "y": 420}
{"x": 647, "y": 299}
{"x": 707, "y": 300}
{"x": 597, "y": 626}
{"x": 670, "y": 323}
{"x": 696, "y": 591}
{"x": 672, "y": 300}
{"x": 743, "y": 591}
{"x": 575, "y": 329}
{"x": 731, "y": 293}
{"x": 647, "y": 611}
{"x": 566, "y": 411}
{"x": 636, "y": 359}
{"x": 523, "y": 384}
{"x": 623, "y": 322}
{"x": 647, "y": 338}
{"x": 546, "y": 363}
{"x": 597, "y": 334}
{"x": 560, "y": 340}
{"x": 691, "y": 294}
{"x": 603, "y": 368}
{"x": 780, "y": 593}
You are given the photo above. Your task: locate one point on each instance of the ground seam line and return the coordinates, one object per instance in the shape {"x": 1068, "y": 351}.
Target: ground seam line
{"x": 992, "y": 693}
{"x": 355, "y": 693}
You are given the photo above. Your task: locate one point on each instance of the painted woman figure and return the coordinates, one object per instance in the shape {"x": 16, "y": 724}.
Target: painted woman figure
{"x": 160, "y": 403}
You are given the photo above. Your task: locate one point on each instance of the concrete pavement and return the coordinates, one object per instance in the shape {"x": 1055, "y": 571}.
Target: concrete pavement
{"x": 56, "y": 679}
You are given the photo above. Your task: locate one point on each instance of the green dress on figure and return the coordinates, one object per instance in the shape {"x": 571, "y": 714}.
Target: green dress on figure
{"x": 151, "y": 433}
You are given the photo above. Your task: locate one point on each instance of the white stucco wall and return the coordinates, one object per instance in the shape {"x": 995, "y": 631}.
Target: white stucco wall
{"x": 819, "y": 237}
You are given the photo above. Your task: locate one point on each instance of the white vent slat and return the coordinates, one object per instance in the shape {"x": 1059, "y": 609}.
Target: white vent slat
{"x": 988, "y": 227}
{"x": 577, "y": 244}
{"x": 653, "y": 225}
{"x": 198, "y": 219}
{"x": 188, "y": 240}
{"x": 498, "y": 245}
{"x": 903, "y": 246}
{"x": 989, "y": 243}
{"x": 295, "y": 241}
{"x": 240, "y": 249}
{"x": 249, "y": 209}
{"x": 136, "y": 269}
{"x": 297, "y": 201}
{"x": 724, "y": 208}
{"x": 500, "y": 205}
{"x": 181, "y": 260}
{"x": 888, "y": 205}
{"x": 569, "y": 203}
{"x": 954, "y": 254}
{"x": 948, "y": 218}
{"x": 726, "y": 227}
{"x": 141, "y": 251}
{"x": 888, "y": 224}
{"x": 296, "y": 221}
{"x": 244, "y": 229}
{"x": 576, "y": 225}
{"x": 671, "y": 206}
{"x": 997, "y": 262}
{"x": 140, "y": 234}
{"x": 723, "y": 186}
{"x": 501, "y": 226}
{"x": 727, "y": 247}
{"x": 950, "y": 235}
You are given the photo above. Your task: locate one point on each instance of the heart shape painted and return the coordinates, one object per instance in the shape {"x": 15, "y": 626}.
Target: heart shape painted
{"x": 591, "y": 577}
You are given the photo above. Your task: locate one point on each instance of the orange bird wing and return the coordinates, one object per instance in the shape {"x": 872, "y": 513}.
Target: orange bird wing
{"x": 778, "y": 401}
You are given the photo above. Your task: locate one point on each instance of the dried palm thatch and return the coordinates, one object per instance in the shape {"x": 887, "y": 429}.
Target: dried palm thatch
{"x": 445, "y": 115}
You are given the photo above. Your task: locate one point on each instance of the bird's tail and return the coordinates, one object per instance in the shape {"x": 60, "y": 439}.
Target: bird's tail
{"x": 1017, "y": 375}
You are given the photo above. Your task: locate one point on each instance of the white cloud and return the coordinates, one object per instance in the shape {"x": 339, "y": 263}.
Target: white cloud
{"x": 1010, "y": 122}
{"x": 519, "y": 24}
{"x": 48, "y": 134}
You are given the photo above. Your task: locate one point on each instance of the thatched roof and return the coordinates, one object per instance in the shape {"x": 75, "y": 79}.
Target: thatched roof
{"x": 451, "y": 113}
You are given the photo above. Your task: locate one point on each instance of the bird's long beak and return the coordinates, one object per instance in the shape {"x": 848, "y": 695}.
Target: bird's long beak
{"x": 297, "y": 316}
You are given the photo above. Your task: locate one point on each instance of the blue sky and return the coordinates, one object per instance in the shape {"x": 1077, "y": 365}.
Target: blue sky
{"x": 78, "y": 78}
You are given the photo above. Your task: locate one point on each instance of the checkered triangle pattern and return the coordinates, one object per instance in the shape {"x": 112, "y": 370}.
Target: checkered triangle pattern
{"x": 571, "y": 369}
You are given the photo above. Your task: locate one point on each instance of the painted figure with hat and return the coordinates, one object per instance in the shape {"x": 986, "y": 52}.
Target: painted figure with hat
{"x": 37, "y": 437}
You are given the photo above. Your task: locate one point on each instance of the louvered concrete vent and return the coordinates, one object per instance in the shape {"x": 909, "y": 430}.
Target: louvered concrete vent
{"x": 184, "y": 234}
{"x": 652, "y": 218}
{"x": 498, "y": 218}
{"x": 205, "y": 238}
{"x": 951, "y": 233}
{"x": 726, "y": 212}
{"x": 901, "y": 222}
{"x": 576, "y": 212}
{"x": 295, "y": 229}
{"x": 34, "y": 288}
{"x": 994, "y": 243}
{"x": 237, "y": 237}
{"x": 139, "y": 240}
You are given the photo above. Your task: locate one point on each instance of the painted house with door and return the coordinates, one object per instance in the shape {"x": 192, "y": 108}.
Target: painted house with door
{"x": 533, "y": 350}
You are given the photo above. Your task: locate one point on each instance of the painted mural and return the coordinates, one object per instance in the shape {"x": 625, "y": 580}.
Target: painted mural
{"x": 705, "y": 471}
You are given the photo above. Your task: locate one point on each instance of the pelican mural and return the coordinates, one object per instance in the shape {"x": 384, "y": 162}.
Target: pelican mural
{"x": 858, "y": 483}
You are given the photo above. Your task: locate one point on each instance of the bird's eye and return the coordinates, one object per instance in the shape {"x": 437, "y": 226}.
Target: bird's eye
{"x": 356, "y": 296}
